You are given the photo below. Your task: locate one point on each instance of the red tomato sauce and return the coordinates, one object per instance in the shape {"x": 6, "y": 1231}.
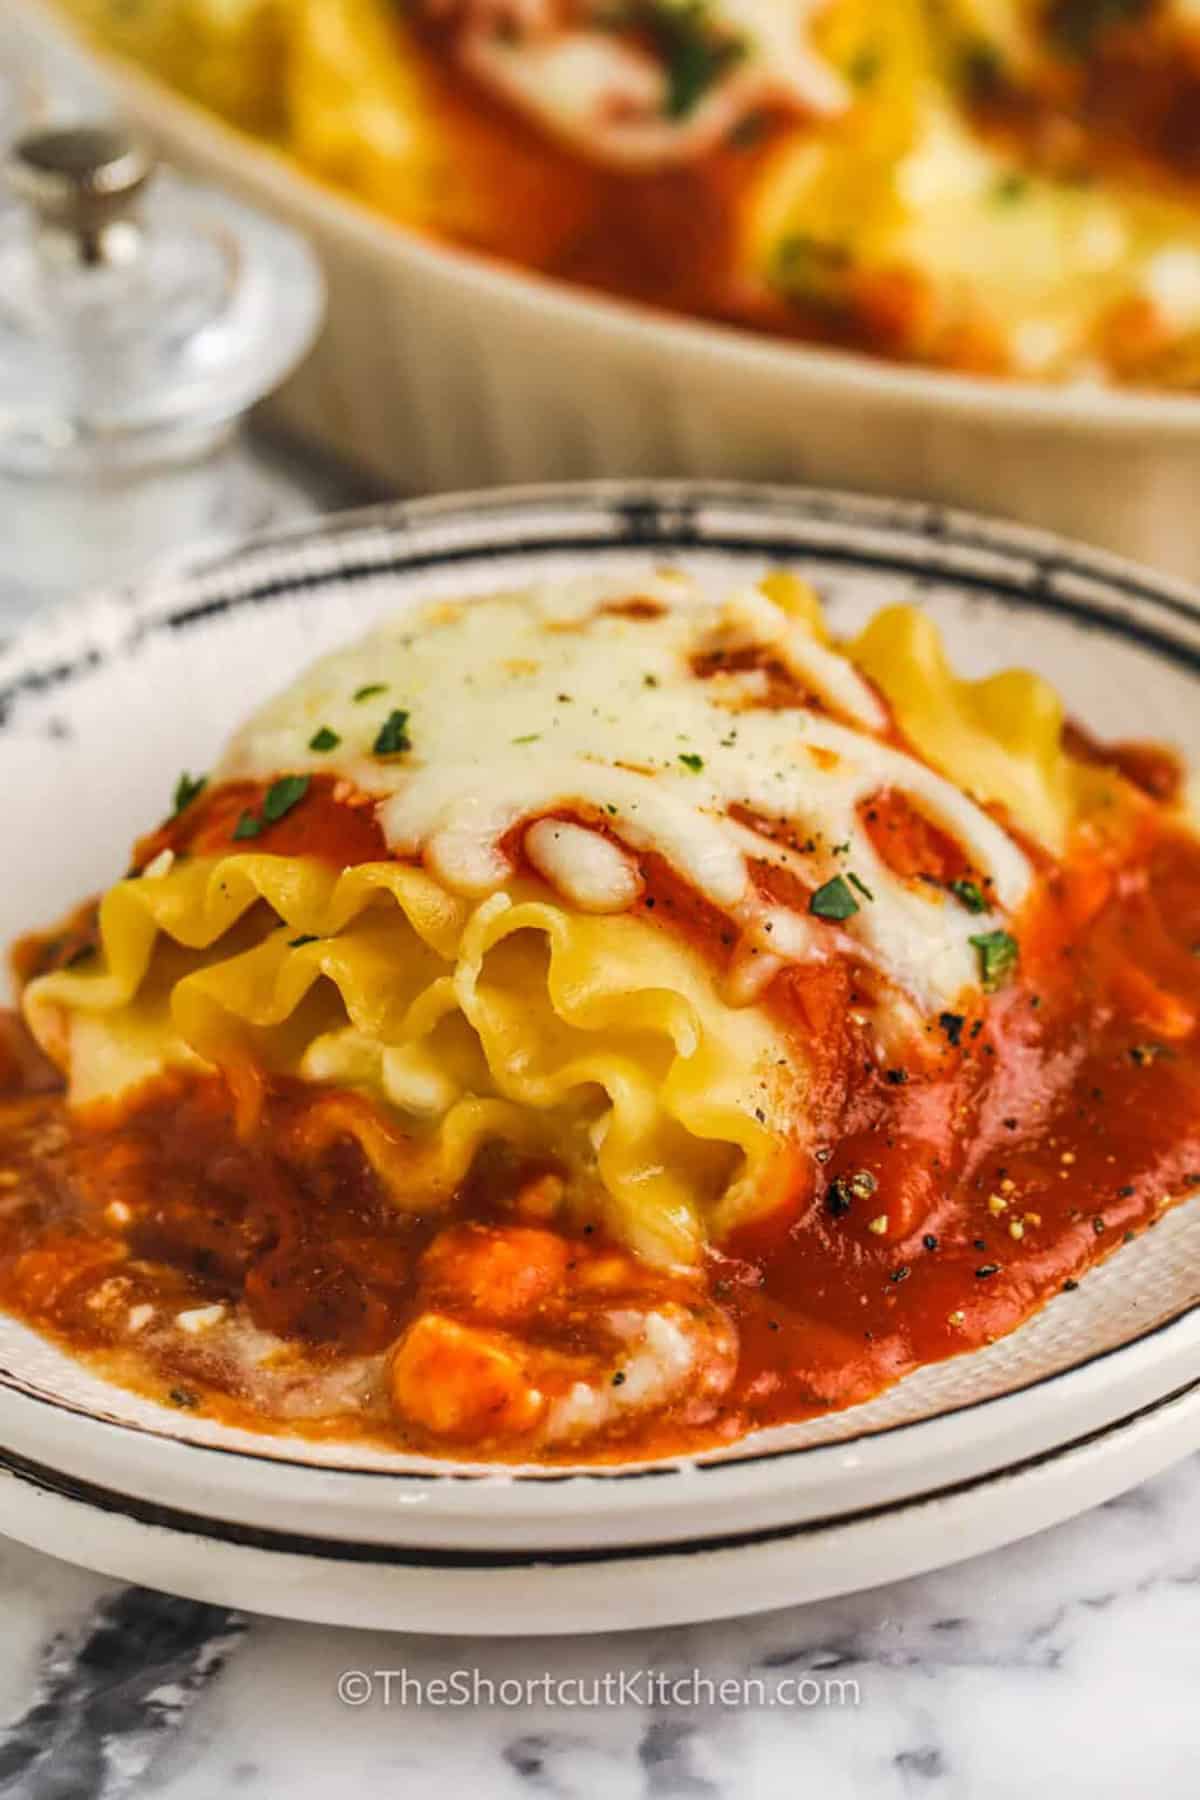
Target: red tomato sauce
{"x": 331, "y": 821}
{"x": 1119, "y": 91}
{"x": 910, "y": 844}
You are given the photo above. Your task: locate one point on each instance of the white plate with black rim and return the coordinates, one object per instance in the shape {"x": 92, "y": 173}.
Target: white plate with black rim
{"x": 101, "y": 704}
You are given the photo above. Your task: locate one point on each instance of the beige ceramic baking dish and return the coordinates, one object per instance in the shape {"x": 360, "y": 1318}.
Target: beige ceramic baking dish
{"x": 439, "y": 370}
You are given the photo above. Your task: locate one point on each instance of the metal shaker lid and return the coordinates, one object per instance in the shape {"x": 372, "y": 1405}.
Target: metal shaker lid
{"x": 84, "y": 184}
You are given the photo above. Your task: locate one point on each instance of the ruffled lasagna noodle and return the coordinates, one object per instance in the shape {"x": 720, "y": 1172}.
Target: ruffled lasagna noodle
{"x": 561, "y": 1020}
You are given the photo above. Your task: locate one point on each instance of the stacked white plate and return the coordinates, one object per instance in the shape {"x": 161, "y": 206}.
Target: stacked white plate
{"x": 101, "y": 707}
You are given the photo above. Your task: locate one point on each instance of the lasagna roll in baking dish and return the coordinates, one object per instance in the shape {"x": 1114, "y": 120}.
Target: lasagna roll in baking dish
{"x": 603, "y": 1018}
{"x": 1005, "y": 187}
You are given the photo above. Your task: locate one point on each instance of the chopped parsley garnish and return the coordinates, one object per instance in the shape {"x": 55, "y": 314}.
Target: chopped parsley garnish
{"x": 998, "y": 953}
{"x": 810, "y": 268}
{"x": 834, "y": 900}
{"x": 283, "y": 795}
{"x": 985, "y": 1270}
{"x": 862, "y": 887}
{"x": 278, "y": 801}
{"x": 695, "y": 53}
{"x": 325, "y": 739}
{"x": 392, "y": 738}
{"x": 368, "y": 693}
{"x": 531, "y": 737}
{"x": 306, "y": 937}
{"x": 968, "y": 894}
{"x": 1010, "y": 188}
{"x": 187, "y": 789}
{"x": 865, "y": 66}
{"x": 691, "y": 761}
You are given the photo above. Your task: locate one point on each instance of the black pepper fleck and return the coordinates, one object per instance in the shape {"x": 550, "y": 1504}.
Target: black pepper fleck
{"x": 839, "y": 1200}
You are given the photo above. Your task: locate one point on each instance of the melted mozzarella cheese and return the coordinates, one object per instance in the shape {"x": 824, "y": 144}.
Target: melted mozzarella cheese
{"x": 587, "y": 868}
{"x": 583, "y": 698}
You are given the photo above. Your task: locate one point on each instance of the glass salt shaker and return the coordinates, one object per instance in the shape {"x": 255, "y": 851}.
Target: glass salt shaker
{"x": 140, "y": 318}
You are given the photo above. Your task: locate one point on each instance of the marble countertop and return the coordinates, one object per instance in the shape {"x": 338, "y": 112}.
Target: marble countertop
{"x": 1066, "y": 1663}
{"x": 1069, "y": 1659}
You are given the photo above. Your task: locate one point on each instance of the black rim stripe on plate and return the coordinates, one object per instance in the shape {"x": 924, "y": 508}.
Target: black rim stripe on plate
{"x": 249, "y": 1537}
{"x": 662, "y": 519}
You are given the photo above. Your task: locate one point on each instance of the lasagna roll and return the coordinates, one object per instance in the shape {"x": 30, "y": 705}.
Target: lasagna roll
{"x": 563, "y": 1020}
